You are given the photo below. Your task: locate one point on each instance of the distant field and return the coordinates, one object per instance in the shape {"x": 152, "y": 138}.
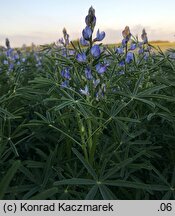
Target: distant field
{"x": 164, "y": 45}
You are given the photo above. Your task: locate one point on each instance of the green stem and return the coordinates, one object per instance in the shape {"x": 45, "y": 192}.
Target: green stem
{"x": 82, "y": 134}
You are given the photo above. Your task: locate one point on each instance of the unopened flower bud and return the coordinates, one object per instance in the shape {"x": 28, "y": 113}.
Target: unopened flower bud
{"x": 144, "y": 36}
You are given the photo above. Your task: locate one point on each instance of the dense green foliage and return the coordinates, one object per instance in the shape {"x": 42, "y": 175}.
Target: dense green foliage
{"x": 59, "y": 142}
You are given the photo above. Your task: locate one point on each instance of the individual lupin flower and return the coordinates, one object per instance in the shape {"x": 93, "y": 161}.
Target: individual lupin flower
{"x": 133, "y": 46}
{"x": 16, "y": 56}
{"x": 11, "y": 66}
{"x": 95, "y": 51}
{"x": 85, "y": 91}
{"x": 140, "y": 44}
{"x": 66, "y": 74}
{"x": 96, "y": 82}
{"x": 129, "y": 57}
{"x": 83, "y": 42}
{"x": 100, "y": 36}
{"x": 119, "y": 50}
{"x": 9, "y": 52}
{"x": 65, "y": 84}
{"x": 81, "y": 57}
{"x": 23, "y": 59}
{"x": 71, "y": 52}
{"x": 5, "y": 62}
{"x": 146, "y": 55}
{"x": 101, "y": 68}
{"x": 121, "y": 72}
{"x": 121, "y": 63}
{"x": 141, "y": 51}
{"x": 87, "y": 33}
{"x": 88, "y": 73}
{"x": 144, "y": 36}
{"x": 90, "y": 19}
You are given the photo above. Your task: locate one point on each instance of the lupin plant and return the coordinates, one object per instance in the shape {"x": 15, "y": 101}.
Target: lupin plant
{"x": 80, "y": 121}
{"x": 90, "y": 58}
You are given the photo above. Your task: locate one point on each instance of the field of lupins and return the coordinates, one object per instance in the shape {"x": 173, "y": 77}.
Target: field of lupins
{"x": 85, "y": 121}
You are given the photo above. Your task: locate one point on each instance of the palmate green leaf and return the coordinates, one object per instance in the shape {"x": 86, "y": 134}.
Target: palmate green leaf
{"x": 31, "y": 192}
{"x": 136, "y": 185}
{"x": 4, "y": 183}
{"x": 150, "y": 103}
{"x": 64, "y": 104}
{"x": 92, "y": 193}
{"x": 75, "y": 181}
{"x": 173, "y": 178}
{"x": 160, "y": 96}
{"x": 47, "y": 169}
{"x": 85, "y": 163}
{"x": 28, "y": 174}
{"x": 45, "y": 194}
{"x": 126, "y": 119}
{"x": 106, "y": 193}
{"x": 14, "y": 149}
{"x": 120, "y": 165}
{"x": 149, "y": 91}
{"x": 34, "y": 164}
{"x": 66, "y": 134}
{"x": 167, "y": 195}
{"x": 162, "y": 178}
{"x": 20, "y": 188}
{"x": 4, "y": 112}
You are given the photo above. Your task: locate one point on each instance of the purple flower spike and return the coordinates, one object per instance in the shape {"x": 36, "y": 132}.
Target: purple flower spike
{"x": 81, "y": 57}
{"x": 88, "y": 73}
{"x": 95, "y": 51}
{"x": 100, "y": 36}
{"x": 87, "y": 33}
{"x": 83, "y": 42}
{"x": 101, "y": 68}
{"x": 129, "y": 57}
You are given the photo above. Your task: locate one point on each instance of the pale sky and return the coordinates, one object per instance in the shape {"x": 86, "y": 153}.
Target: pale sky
{"x": 42, "y": 21}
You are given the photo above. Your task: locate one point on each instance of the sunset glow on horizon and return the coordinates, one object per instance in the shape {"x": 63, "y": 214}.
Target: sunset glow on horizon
{"x": 42, "y": 21}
